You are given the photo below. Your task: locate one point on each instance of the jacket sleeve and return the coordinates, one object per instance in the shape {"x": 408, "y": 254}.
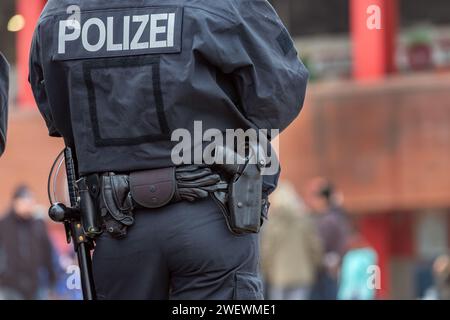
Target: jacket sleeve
{"x": 4, "y": 88}
{"x": 37, "y": 82}
{"x": 259, "y": 52}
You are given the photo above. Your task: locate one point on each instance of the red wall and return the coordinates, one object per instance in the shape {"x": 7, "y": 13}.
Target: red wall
{"x": 30, "y": 10}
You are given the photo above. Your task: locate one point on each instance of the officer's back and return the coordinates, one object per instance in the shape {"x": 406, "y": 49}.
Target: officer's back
{"x": 130, "y": 72}
{"x": 116, "y": 79}
{"x": 4, "y": 87}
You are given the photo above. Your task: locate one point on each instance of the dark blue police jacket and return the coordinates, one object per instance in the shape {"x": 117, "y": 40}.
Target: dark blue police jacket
{"x": 115, "y": 78}
{"x": 4, "y": 86}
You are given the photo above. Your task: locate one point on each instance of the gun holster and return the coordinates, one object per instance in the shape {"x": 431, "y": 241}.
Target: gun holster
{"x": 243, "y": 204}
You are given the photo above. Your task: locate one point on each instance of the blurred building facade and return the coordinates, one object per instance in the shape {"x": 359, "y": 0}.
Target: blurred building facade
{"x": 387, "y": 147}
{"x": 381, "y": 137}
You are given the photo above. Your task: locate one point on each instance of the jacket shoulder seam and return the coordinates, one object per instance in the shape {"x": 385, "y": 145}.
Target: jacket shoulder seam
{"x": 211, "y": 12}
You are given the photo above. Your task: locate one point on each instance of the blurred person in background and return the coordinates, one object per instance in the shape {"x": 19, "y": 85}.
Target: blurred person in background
{"x": 66, "y": 266}
{"x": 334, "y": 229}
{"x": 26, "y": 255}
{"x": 424, "y": 279}
{"x": 4, "y": 87}
{"x": 291, "y": 247}
{"x": 441, "y": 272}
{"x": 355, "y": 271}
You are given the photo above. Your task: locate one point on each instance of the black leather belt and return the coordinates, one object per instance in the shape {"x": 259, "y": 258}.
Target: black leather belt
{"x": 120, "y": 194}
{"x": 237, "y": 189}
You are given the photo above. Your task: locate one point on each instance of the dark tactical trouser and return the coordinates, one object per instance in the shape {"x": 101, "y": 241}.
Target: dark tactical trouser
{"x": 183, "y": 251}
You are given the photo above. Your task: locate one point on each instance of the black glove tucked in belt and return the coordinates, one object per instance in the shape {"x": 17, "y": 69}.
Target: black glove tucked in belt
{"x": 196, "y": 182}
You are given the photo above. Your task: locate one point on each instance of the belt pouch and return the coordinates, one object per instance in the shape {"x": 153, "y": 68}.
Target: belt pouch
{"x": 153, "y": 188}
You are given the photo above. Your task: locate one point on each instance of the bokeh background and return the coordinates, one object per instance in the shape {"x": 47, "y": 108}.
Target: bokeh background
{"x": 376, "y": 124}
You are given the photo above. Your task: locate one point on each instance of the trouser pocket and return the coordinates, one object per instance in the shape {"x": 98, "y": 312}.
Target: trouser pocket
{"x": 248, "y": 286}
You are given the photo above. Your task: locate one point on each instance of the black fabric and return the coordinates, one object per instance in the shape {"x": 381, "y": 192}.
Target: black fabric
{"x": 270, "y": 183}
{"x": 285, "y": 41}
{"x": 4, "y": 87}
{"x": 183, "y": 251}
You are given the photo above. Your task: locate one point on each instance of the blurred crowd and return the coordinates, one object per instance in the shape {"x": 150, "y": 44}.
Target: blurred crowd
{"x": 31, "y": 266}
{"x": 313, "y": 250}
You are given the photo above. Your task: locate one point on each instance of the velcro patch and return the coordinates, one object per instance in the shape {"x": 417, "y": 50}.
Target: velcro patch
{"x": 118, "y": 33}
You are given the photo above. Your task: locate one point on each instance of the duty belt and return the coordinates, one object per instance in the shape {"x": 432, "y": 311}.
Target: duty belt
{"x": 237, "y": 190}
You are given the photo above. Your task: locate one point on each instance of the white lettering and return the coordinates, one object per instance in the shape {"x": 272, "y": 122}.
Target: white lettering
{"x": 209, "y": 154}
{"x": 75, "y": 15}
{"x": 374, "y": 18}
{"x": 126, "y": 33}
{"x": 161, "y": 28}
{"x": 135, "y": 44}
{"x": 374, "y": 278}
{"x": 73, "y": 280}
{"x": 155, "y": 30}
{"x": 101, "y": 38}
{"x": 181, "y": 153}
{"x": 110, "y": 46}
{"x": 171, "y": 30}
{"x": 65, "y": 37}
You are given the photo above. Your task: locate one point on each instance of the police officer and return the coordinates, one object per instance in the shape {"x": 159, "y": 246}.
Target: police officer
{"x": 115, "y": 79}
{"x": 4, "y": 87}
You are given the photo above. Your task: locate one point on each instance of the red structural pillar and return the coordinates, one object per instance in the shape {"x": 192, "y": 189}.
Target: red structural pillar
{"x": 30, "y": 10}
{"x": 373, "y": 43}
{"x": 376, "y": 229}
